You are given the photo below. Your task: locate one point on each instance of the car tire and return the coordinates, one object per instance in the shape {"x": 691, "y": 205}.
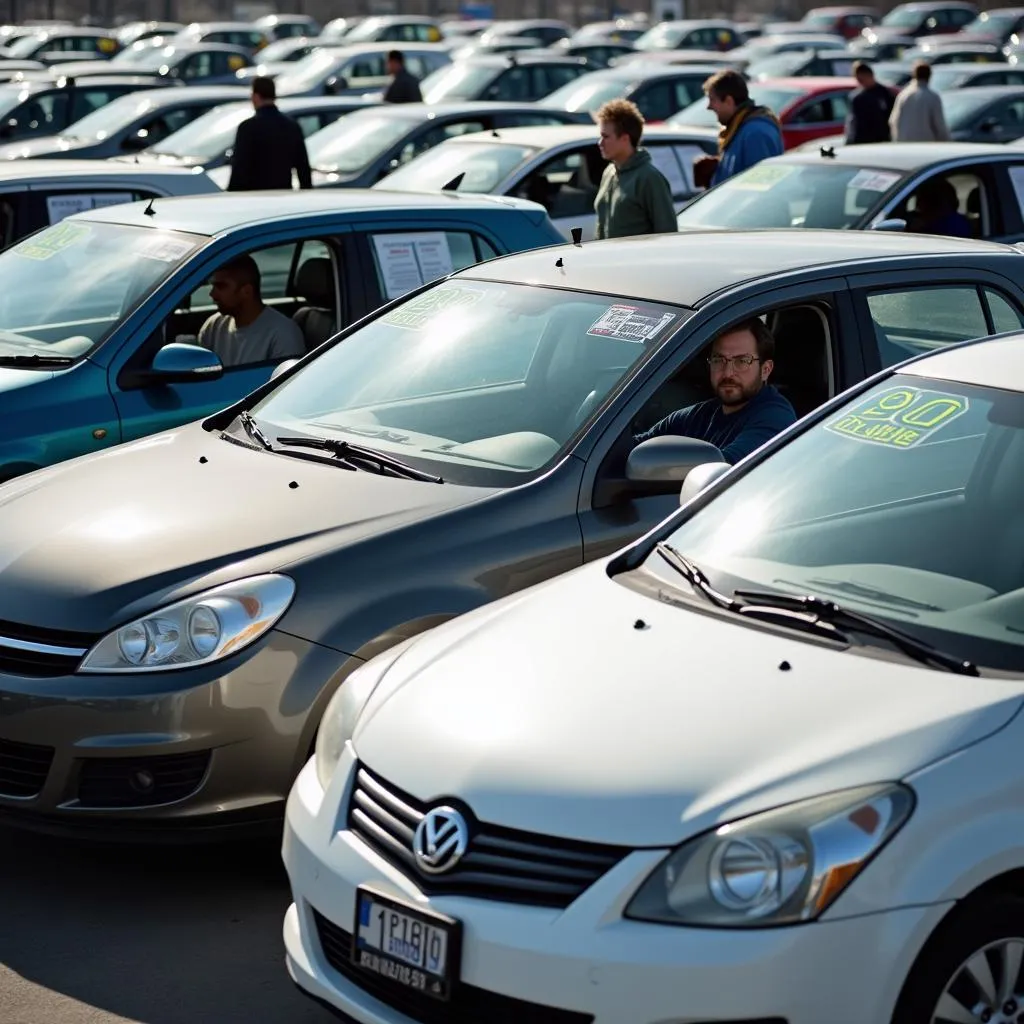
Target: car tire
{"x": 982, "y": 938}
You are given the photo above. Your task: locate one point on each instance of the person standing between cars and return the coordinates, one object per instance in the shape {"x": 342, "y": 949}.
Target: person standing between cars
{"x": 749, "y": 134}
{"x": 747, "y": 411}
{"x": 244, "y": 330}
{"x": 268, "y": 146}
{"x": 917, "y": 115}
{"x": 871, "y": 104}
{"x": 634, "y": 198}
{"x": 405, "y": 86}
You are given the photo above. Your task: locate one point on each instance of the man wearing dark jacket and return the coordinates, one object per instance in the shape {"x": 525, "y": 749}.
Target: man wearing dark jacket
{"x": 268, "y": 146}
{"x": 404, "y": 87}
{"x": 870, "y": 107}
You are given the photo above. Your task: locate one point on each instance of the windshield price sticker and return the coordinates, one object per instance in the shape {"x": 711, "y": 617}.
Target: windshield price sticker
{"x": 627, "y": 323}
{"x": 873, "y": 181}
{"x": 166, "y": 248}
{"x": 902, "y": 417}
{"x": 48, "y": 243}
{"x": 761, "y": 178}
{"x": 417, "y": 313}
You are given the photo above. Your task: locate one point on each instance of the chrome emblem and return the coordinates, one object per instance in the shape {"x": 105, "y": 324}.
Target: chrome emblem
{"x": 440, "y": 840}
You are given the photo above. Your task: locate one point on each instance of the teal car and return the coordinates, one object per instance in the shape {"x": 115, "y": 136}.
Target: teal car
{"x": 100, "y": 313}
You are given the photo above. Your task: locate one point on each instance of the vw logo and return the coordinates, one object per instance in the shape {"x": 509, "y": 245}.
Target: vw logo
{"x": 440, "y": 840}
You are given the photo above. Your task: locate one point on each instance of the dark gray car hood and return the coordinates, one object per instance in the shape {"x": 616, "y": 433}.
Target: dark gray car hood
{"x": 91, "y": 543}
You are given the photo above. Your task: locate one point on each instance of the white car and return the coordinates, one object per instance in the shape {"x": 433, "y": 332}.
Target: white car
{"x": 763, "y": 765}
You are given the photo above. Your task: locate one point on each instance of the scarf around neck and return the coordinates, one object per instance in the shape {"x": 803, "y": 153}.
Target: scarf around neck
{"x": 744, "y": 112}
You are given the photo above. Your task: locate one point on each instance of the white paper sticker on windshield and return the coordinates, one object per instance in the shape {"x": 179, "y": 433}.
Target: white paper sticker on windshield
{"x": 166, "y": 248}
{"x": 408, "y": 261}
{"x": 48, "y": 243}
{"x": 762, "y": 177}
{"x": 901, "y": 417}
{"x": 627, "y": 323}
{"x": 59, "y": 207}
{"x": 415, "y": 314}
{"x": 873, "y": 181}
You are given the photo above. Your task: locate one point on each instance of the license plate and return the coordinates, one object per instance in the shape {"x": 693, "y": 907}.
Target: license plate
{"x": 411, "y": 947}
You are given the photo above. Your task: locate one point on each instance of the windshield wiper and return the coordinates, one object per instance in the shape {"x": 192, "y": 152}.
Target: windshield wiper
{"x": 873, "y": 594}
{"x": 819, "y": 612}
{"x": 357, "y": 453}
{"x": 694, "y": 575}
{"x": 35, "y": 360}
{"x": 252, "y": 428}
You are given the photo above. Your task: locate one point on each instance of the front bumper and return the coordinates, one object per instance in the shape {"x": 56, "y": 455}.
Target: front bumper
{"x": 208, "y": 747}
{"x": 586, "y": 963}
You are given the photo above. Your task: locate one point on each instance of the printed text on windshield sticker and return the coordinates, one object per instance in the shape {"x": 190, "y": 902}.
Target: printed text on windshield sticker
{"x": 166, "y": 249}
{"x": 903, "y": 417}
{"x": 415, "y": 314}
{"x": 627, "y": 323}
{"x": 47, "y": 244}
{"x": 761, "y": 178}
{"x": 873, "y": 181}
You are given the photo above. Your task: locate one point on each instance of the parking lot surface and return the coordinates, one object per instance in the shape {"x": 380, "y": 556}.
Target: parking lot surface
{"x": 94, "y": 934}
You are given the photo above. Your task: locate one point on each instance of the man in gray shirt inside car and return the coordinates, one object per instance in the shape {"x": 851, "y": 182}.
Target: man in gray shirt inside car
{"x": 244, "y": 330}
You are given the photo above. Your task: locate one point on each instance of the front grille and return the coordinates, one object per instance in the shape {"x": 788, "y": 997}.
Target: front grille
{"x": 500, "y": 864}
{"x": 23, "y": 768}
{"x": 39, "y": 652}
{"x": 468, "y": 1004}
{"x": 140, "y": 781}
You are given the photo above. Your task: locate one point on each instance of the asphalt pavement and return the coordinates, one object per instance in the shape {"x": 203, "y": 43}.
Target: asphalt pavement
{"x": 93, "y": 934}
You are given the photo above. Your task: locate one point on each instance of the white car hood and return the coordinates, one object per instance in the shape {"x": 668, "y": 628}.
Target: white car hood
{"x": 552, "y": 712}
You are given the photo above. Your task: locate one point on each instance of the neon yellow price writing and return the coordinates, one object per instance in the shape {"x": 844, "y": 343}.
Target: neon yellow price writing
{"x": 901, "y": 417}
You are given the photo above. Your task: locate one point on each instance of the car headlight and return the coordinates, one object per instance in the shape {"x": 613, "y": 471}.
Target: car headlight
{"x": 196, "y": 631}
{"x": 343, "y": 710}
{"x": 780, "y": 867}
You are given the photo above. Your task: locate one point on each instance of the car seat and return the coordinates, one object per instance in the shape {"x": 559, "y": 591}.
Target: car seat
{"x": 315, "y": 283}
{"x": 801, "y": 357}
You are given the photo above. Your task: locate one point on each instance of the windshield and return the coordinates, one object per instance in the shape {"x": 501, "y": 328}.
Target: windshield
{"x": 150, "y": 59}
{"x": 781, "y": 65}
{"x": 791, "y": 195}
{"x": 462, "y": 81}
{"x": 484, "y": 166}
{"x": 208, "y": 136}
{"x": 903, "y": 17}
{"x": 309, "y": 72}
{"x": 904, "y": 506}
{"x": 364, "y": 31}
{"x": 944, "y": 78}
{"x": 25, "y": 46}
{"x": 961, "y": 107}
{"x": 821, "y": 21}
{"x": 478, "y": 382}
{"x": 104, "y": 271}
{"x": 665, "y": 36}
{"x": 12, "y": 96}
{"x": 992, "y": 24}
{"x": 697, "y": 113}
{"x": 588, "y": 93}
{"x": 283, "y": 49}
{"x": 110, "y": 118}
{"x": 354, "y": 142}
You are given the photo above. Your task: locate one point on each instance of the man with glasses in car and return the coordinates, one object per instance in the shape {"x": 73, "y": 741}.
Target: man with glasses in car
{"x": 747, "y": 411}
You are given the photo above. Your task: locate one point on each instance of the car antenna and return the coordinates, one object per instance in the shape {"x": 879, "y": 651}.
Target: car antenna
{"x": 828, "y": 152}
{"x": 577, "y": 237}
{"x": 494, "y": 133}
{"x": 453, "y": 185}
{"x": 149, "y": 211}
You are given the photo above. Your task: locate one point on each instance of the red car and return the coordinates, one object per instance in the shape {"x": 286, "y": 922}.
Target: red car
{"x": 848, "y": 22}
{"x": 809, "y": 108}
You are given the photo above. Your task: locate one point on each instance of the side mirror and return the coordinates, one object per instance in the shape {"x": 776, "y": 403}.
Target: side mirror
{"x": 283, "y": 368}
{"x": 890, "y": 224}
{"x": 669, "y": 460}
{"x": 701, "y": 477}
{"x": 179, "y": 363}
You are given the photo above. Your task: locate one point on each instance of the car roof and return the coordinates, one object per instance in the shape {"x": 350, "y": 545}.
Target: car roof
{"x": 417, "y": 111}
{"x": 375, "y": 47}
{"x": 31, "y": 170}
{"x": 219, "y": 26}
{"x": 638, "y": 69}
{"x": 505, "y": 60}
{"x": 169, "y": 96}
{"x": 187, "y": 48}
{"x": 401, "y": 19}
{"x": 90, "y": 81}
{"x": 228, "y": 210}
{"x": 544, "y": 136}
{"x": 936, "y": 5}
{"x": 989, "y": 362}
{"x": 898, "y": 156}
{"x": 70, "y": 30}
{"x": 685, "y": 269}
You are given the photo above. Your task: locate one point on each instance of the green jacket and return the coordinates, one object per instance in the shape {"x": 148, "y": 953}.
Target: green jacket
{"x": 634, "y": 199}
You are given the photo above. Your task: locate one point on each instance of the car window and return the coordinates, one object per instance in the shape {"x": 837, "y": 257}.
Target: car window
{"x": 435, "y": 136}
{"x": 199, "y": 65}
{"x": 657, "y": 101}
{"x": 567, "y": 184}
{"x": 1005, "y": 315}
{"x": 912, "y": 321}
{"x": 409, "y": 259}
{"x": 368, "y": 66}
{"x": 511, "y": 85}
{"x": 959, "y": 18}
{"x": 676, "y": 164}
{"x": 85, "y": 100}
{"x": 478, "y": 166}
{"x": 826, "y": 110}
{"x": 43, "y": 114}
{"x": 559, "y": 75}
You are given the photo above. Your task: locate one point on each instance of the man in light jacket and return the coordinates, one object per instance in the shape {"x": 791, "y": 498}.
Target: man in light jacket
{"x": 917, "y": 115}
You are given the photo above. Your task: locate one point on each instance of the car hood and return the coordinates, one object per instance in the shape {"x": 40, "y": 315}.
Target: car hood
{"x": 95, "y": 541}
{"x": 49, "y": 145}
{"x": 88, "y": 67}
{"x": 588, "y": 710}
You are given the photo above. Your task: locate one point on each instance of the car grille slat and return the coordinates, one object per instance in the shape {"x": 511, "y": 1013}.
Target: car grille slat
{"x": 468, "y": 1004}
{"x": 500, "y": 864}
{"x": 19, "y": 659}
{"x": 23, "y": 768}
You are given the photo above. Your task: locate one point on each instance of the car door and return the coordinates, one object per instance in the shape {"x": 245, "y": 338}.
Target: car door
{"x": 815, "y": 118}
{"x": 817, "y": 347}
{"x": 1001, "y": 122}
{"x": 184, "y": 306}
